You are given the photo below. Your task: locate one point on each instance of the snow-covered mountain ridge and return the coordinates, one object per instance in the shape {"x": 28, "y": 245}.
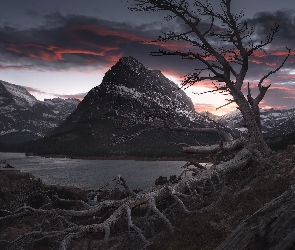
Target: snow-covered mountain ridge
{"x": 24, "y": 118}
{"x": 275, "y": 122}
{"x": 19, "y": 94}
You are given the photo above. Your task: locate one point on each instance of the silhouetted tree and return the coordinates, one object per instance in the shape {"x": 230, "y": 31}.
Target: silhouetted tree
{"x": 226, "y": 65}
{"x": 126, "y": 219}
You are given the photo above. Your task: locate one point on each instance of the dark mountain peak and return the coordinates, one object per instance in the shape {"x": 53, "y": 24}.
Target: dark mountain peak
{"x": 127, "y": 114}
{"x": 129, "y": 73}
{"x": 130, "y": 62}
{"x": 126, "y": 72}
{"x": 130, "y": 91}
{"x": 129, "y": 83}
{"x": 156, "y": 71}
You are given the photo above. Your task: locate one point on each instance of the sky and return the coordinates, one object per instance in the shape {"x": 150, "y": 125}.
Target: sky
{"x": 62, "y": 48}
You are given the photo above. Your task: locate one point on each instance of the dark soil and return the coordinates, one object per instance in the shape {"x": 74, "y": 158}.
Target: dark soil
{"x": 17, "y": 189}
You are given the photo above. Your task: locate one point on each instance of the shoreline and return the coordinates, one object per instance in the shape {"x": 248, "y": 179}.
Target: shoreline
{"x": 119, "y": 157}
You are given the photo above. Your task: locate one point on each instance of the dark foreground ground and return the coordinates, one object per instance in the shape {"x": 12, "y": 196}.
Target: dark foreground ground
{"x": 243, "y": 193}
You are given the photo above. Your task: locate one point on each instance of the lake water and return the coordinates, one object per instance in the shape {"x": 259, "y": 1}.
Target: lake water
{"x": 92, "y": 173}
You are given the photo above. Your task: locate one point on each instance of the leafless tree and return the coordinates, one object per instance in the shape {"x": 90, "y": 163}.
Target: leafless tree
{"x": 98, "y": 222}
{"x": 226, "y": 65}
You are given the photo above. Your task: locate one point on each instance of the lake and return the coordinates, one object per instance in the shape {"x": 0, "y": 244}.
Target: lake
{"x": 92, "y": 174}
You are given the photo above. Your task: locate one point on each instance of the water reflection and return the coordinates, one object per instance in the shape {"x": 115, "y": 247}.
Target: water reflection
{"x": 92, "y": 173}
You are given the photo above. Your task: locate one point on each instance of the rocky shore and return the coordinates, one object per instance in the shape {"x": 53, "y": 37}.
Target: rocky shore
{"x": 115, "y": 157}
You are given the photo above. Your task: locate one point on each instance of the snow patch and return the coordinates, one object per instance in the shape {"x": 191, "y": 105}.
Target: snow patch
{"x": 20, "y": 95}
{"x": 123, "y": 90}
{"x": 8, "y": 131}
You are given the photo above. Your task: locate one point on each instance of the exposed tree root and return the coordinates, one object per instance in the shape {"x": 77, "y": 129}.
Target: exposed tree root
{"x": 104, "y": 218}
{"x": 238, "y": 143}
{"x": 225, "y": 135}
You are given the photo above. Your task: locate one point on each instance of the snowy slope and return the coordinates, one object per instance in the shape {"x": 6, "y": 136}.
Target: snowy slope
{"x": 20, "y": 95}
{"x": 275, "y": 122}
{"x": 23, "y": 117}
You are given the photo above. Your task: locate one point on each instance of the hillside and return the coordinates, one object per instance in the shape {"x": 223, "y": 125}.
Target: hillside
{"x": 24, "y": 118}
{"x": 275, "y": 122}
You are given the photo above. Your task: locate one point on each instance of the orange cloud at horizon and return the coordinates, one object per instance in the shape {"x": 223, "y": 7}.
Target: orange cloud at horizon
{"x": 203, "y": 107}
{"x": 3, "y": 67}
{"x": 282, "y": 53}
{"x": 286, "y": 76}
{"x": 285, "y": 88}
{"x": 271, "y": 64}
{"x": 102, "y": 31}
{"x": 270, "y": 107}
{"x": 54, "y": 53}
{"x": 255, "y": 61}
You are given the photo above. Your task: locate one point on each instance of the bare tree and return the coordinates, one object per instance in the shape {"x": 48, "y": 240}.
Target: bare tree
{"x": 227, "y": 64}
{"x": 71, "y": 223}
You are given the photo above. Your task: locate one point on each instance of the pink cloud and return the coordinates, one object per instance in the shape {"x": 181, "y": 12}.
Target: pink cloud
{"x": 201, "y": 107}
{"x": 54, "y": 53}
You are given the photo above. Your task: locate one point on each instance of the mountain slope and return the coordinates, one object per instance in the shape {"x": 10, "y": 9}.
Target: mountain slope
{"x": 126, "y": 115}
{"x": 131, "y": 90}
{"x": 275, "y": 122}
{"x": 24, "y": 118}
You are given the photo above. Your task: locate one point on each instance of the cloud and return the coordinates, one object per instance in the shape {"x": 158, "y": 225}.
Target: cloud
{"x": 80, "y": 43}
{"x": 18, "y": 67}
{"x": 32, "y": 13}
{"x": 62, "y": 44}
{"x": 202, "y": 107}
{"x": 40, "y": 93}
{"x": 33, "y": 91}
{"x": 73, "y": 41}
{"x": 66, "y": 42}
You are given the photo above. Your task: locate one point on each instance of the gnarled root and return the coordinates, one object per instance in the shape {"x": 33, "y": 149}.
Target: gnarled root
{"x": 105, "y": 221}
{"x": 216, "y": 147}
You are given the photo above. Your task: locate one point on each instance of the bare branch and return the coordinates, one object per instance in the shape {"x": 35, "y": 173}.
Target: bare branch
{"x": 276, "y": 70}
{"x": 228, "y": 103}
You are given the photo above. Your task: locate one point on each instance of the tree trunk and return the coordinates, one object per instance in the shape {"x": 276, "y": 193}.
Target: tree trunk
{"x": 252, "y": 119}
{"x": 255, "y": 135}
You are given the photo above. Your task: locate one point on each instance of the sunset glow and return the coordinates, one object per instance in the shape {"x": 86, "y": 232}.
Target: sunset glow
{"x": 67, "y": 54}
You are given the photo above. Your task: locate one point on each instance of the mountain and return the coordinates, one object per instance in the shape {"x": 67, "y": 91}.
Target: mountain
{"x": 127, "y": 114}
{"x": 24, "y": 118}
{"x": 275, "y": 122}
